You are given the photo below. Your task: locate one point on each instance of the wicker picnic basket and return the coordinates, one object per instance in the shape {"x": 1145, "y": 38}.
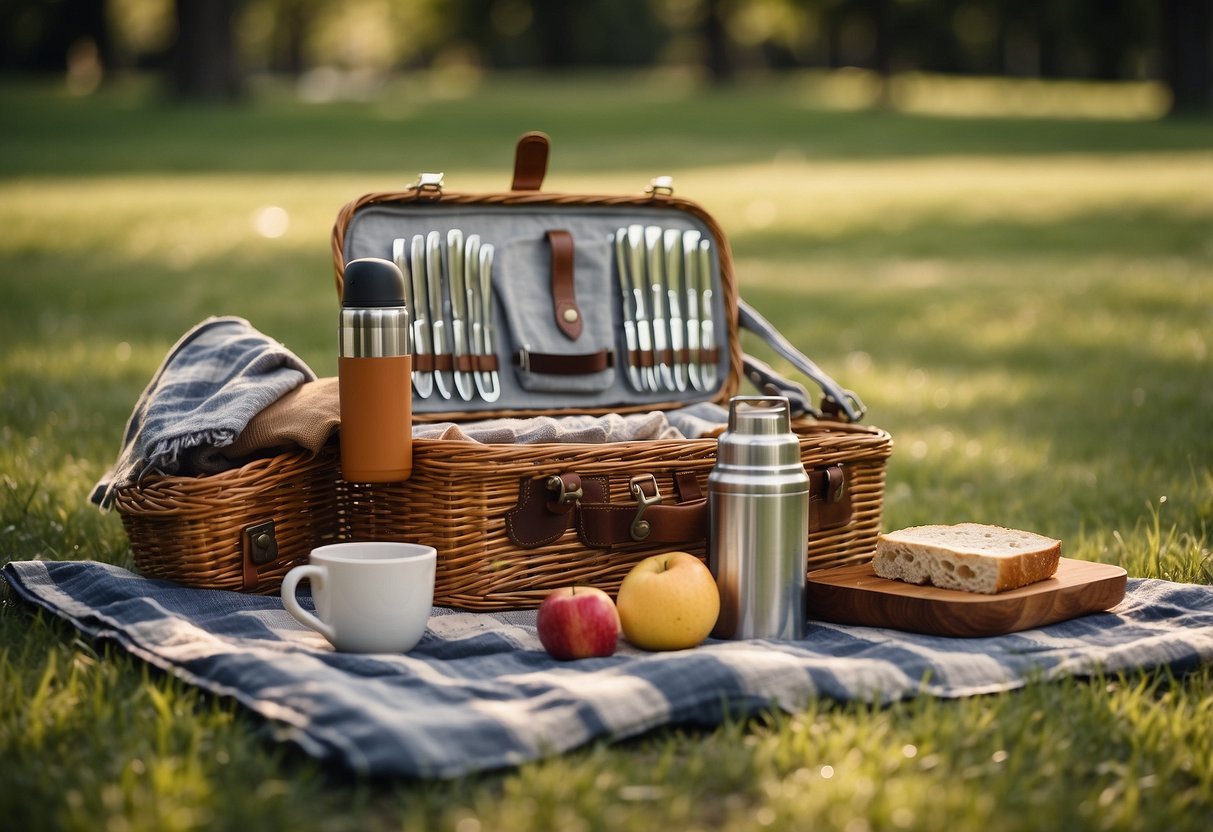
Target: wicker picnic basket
{"x": 511, "y": 521}
{"x": 462, "y": 497}
{"x": 242, "y": 529}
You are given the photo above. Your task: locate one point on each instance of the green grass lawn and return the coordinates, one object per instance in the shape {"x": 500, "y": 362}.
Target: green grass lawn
{"x": 1027, "y": 305}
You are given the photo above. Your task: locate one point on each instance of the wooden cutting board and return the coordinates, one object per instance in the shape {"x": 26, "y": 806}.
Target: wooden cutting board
{"x": 857, "y": 595}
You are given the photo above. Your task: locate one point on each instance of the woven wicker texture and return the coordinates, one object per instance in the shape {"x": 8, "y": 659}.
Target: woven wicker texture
{"x": 192, "y": 529}
{"x": 460, "y": 492}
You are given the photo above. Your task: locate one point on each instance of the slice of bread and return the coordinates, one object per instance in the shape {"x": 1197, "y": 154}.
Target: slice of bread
{"x": 969, "y": 556}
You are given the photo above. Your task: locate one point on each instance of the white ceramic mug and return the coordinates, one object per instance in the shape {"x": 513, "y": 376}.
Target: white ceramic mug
{"x": 371, "y": 597}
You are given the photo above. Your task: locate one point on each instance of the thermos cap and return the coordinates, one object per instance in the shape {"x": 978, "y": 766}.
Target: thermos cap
{"x": 759, "y": 434}
{"x": 371, "y": 282}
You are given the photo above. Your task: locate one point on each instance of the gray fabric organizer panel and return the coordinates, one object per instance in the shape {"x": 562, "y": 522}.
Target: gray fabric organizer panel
{"x": 522, "y": 304}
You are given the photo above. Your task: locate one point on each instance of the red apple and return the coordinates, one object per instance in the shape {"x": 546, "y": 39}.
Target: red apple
{"x": 668, "y": 602}
{"x": 578, "y": 622}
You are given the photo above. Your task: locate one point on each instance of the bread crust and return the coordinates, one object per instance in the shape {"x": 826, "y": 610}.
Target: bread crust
{"x": 971, "y": 557}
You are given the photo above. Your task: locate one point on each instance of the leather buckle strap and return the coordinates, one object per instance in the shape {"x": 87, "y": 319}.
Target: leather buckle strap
{"x": 549, "y": 505}
{"x": 649, "y": 519}
{"x": 564, "y": 284}
{"x": 559, "y": 364}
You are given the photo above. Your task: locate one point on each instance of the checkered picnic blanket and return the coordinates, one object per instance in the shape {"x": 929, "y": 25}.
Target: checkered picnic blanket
{"x": 479, "y": 693}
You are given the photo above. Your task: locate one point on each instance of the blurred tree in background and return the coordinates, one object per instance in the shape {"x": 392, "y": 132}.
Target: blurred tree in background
{"x": 207, "y": 49}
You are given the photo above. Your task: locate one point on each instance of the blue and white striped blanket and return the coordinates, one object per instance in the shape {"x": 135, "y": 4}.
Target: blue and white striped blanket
{"x": 214, "y": 380}
{"x": 479, "y": 692}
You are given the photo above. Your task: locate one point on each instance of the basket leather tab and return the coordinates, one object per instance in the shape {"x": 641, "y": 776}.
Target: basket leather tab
{"x": 539, "y": 517}
{"x": 829, "y": 498}
{"x": 564, "y": 285}
{"x": 530, "y": 161}
{"x": 604, "y": 525}
{"x": 258, "y": 547}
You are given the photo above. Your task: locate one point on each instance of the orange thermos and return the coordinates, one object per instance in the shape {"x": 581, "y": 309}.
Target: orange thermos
{"x": 374, "y": 369}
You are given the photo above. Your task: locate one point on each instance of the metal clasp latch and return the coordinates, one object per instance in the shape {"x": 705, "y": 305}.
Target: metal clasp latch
{"x": 641, "y": 528}
{"x": 428, "y": 184}
{"x": 260, "y": 543}
{"x": 564, "y": 494}
{"x": 660, "y": 186}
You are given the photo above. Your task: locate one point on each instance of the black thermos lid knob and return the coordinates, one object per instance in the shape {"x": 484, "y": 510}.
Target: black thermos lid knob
{"x": 372, "y": 281}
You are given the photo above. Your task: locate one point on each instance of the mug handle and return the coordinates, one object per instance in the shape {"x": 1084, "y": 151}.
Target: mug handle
{"x": 289, "y": 584}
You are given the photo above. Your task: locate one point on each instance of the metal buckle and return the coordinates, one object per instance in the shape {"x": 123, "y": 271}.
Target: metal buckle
{"x": 524, "y": 358}
{"x": 660, "y": 186}
{"x": 564, "y": 495}
{"x": 641, "y": 528}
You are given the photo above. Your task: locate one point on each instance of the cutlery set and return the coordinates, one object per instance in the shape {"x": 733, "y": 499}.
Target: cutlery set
{"x": 661, "y": 271}
{"x": 449, "y": 291}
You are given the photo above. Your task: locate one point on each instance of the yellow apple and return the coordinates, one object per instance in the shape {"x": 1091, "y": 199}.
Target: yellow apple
{"x": 668, "y": 602}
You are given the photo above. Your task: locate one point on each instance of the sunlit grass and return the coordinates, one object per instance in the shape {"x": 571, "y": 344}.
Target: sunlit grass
{"x": 1026, "y": 303}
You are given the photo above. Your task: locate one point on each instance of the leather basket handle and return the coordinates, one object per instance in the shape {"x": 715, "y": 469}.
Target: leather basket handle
{"x": 530, "y": 161}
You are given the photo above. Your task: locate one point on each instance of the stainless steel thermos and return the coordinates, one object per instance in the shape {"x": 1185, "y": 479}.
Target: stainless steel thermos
{"x": 374, "y": 370}
{"x": 758, "y": 499}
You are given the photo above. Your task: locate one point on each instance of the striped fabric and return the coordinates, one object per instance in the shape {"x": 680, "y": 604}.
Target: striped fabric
{"x": 214, "y": 380}
{"x": 479, "y": 693}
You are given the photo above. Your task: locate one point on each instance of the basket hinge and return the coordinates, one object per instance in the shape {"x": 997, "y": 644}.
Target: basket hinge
{"x": 660, "y": 186}
{"x": 428, "y": 185}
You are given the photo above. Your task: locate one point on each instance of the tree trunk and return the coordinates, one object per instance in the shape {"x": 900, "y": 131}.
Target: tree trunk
{"x": 1187, "y": 32}
{"x": 555, "y": 28}
{"x": 716, "y": 43}
{"x": 204, "y": 55}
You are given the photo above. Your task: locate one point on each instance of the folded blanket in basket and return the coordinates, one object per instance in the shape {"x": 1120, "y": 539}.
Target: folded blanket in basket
{"x": 226, "y": 393}
{"x": 479, "y": 693}
{"x": 212, "y": 382}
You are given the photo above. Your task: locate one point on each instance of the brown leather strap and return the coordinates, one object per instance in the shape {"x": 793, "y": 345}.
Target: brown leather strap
{"x": 530, "y": 161}
{"x": 829, "y": 498}
{"x": 540, "y": 517}
{"x": 430, "y": 363}
{"x": 564, "y": 286}
{"x": 559, "y": 364}
{"x": 641, "y": 358}
{"x": 463, "y": 363}
{"x": 485, "y": 363}
{"x": 547, "y": 506}
{"x": 607, "y": 525}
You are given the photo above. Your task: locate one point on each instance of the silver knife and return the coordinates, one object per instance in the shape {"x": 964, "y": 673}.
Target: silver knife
{"x": 692, "y": 277}
{"x": 673, "y": 282}
{"x": 459, "y": 299}
{"x": 400, "y": 256}
{"x": 471, "y": 282}
{"x": 423, "y": 382}
{"x": 644, "y": 331}
{"x": 488, "y": 382}
{"x": 443, "y": 379}
{"x": 619, "y": 242}
{"x": 654, "y": 263}
{"x": 707, "y": 331}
